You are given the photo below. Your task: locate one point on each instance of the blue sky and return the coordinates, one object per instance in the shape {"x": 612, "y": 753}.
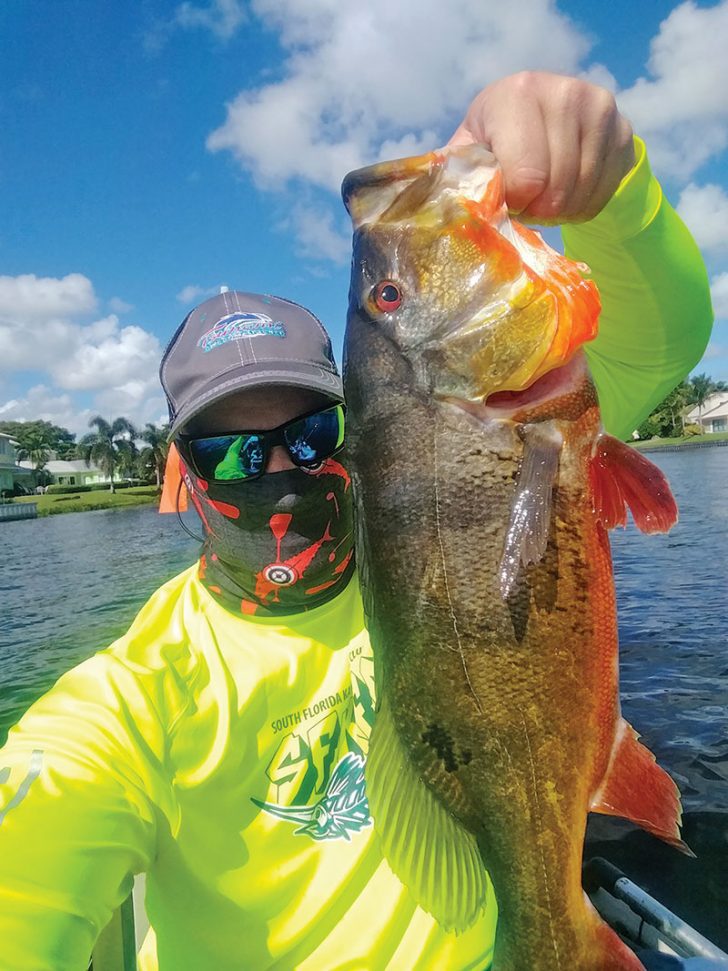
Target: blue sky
{"x": 150, "y": 152}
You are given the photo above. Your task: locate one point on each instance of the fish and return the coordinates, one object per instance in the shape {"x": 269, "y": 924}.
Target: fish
{"x": 484, "y": 488}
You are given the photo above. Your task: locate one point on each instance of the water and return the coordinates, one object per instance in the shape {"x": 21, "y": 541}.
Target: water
{"x": 71, "y": 584}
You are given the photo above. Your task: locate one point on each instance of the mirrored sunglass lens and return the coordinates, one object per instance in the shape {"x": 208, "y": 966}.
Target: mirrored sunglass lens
{"x": 228, "y": 457}
{"x": 316, "y": 437}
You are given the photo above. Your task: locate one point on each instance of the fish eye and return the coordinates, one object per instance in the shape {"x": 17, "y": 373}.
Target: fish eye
{"x": 386, "y": 296}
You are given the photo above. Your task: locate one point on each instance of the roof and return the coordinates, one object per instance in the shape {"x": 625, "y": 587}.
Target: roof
{"x": 61, "y": 467}
{"x": 715, "y": 406}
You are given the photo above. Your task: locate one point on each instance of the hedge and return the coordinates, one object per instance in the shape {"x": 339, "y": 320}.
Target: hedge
{"x": 67, "y": 490}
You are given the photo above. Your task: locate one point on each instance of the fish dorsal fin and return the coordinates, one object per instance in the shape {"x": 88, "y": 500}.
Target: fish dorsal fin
{"x": 634, "y": 786}
{"x": 528, "y": 530}
{"x": 622, "y": 478}
{"x": 431, "y": 853}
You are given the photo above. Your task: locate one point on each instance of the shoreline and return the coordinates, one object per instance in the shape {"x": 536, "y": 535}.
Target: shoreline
{"x": 55, "y": 505}
{"x": 676, "y": 445}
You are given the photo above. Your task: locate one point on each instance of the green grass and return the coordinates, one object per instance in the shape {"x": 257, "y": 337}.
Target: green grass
{"x": 49, "y": 505}
{"x": 683, "y": 440}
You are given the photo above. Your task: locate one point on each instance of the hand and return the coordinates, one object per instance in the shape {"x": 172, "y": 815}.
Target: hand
{"x": 561, "y": 142}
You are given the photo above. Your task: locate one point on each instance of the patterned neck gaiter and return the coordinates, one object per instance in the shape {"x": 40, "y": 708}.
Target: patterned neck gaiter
{"x": 279, "y": 544}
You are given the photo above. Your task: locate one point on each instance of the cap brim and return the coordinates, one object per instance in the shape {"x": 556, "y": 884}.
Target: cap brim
{"x": 294, "y": 375}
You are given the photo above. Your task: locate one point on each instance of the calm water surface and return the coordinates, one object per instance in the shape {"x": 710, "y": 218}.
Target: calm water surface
{"x": 71, "y": 584}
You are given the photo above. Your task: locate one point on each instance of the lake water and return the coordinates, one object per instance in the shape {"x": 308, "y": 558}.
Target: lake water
{"x": 71, "y": 584}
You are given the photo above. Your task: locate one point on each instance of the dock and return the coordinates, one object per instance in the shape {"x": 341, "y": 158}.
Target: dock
{"x": 18, "y": 510}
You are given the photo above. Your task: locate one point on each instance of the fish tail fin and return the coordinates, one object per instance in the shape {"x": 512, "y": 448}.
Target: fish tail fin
{"x": 622, "y": 478}
{"x": 634, "y": 786}
{"x": 607, "y": 951}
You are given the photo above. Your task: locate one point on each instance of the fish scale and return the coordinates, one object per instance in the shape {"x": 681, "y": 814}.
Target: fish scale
{"x": 484, "y": 488}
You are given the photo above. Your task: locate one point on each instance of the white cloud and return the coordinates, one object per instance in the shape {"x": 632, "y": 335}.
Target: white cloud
{"x": 192, "y": 293}
{"x": 681, "y": 109}
{"x": 601, "y": 75}
{"x": 119, "y": 306}
{"x": 360, "y": 78}
{"x": 719, "y": 293}
{"x": 110, "y": 359}
{"x": 318, "y": 237}
{"x": 221, "y": 17}
{"x": 42, "y": 402}
{"x": 705, "y": 211}
{"x": 40, "y": 331}
{"x": 29, "y": 297}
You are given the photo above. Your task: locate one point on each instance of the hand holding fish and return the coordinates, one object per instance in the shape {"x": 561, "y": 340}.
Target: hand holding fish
{"x": 561, "y": 142}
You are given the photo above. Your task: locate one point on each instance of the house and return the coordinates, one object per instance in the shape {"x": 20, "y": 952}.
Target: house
{"x": 74, "y": 472}
{"x": 713, "y": 415}
{"x": 10, "y": 471}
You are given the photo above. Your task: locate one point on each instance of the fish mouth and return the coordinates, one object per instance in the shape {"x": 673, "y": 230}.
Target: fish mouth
{"x": 554, "y": 384}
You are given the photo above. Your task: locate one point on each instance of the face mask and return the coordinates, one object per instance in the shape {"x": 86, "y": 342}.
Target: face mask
{"x": 279, "y": 544}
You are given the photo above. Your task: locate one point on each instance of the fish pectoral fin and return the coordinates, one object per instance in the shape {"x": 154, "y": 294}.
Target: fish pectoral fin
{"x": 432, "y": 854}
{"x": 528, "y": 530}
{"x": 635, "y": 787}
{"x": 622, "y": 478}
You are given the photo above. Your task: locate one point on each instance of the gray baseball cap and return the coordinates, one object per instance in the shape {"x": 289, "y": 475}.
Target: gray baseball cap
{"x": 243, "y": 340}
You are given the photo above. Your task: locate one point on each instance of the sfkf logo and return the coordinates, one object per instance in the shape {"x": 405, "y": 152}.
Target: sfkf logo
{"x": 234, "y": 327}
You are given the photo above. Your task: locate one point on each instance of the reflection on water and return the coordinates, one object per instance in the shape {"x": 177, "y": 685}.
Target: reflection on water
{"x": 71, "y": 584}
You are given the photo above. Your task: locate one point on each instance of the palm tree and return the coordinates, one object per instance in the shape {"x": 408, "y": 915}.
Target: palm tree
{"x": 701, "y": 387}
{"x": 155, "y": 453}
{"x": 36, "y": 448}
{"x": 110, "y": 446}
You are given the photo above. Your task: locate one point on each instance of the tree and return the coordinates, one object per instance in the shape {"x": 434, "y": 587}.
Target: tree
{"x": 58, "y": 439}
{"x": 35, "y": 447}
{"x": 111, "y": 446}
{"x": 668, "y": 418}
{"x": 154, "y": 455}
{"x": 700, "y": 388}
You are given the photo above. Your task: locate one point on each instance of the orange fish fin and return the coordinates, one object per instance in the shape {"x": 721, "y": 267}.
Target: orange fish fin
{"x": 435, "y": 857}
{"x": 174, "y": 491}
{"x": 530, "y": 525}
{"x": 621, "y": 477}
{"x": 635, "y": 787}
{"x": 610, "y": 953}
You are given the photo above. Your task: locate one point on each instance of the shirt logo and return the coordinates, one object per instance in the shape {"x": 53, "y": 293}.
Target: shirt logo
{"x": 235, "y": 327}
{"x": 342, "y": 810}
{"x": 317, "y": 771}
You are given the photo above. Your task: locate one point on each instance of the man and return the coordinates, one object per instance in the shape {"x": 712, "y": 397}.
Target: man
{"x": 219, "y": 746}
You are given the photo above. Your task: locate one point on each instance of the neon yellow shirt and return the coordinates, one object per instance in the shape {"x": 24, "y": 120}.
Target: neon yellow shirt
{"x": 222, "y": 755}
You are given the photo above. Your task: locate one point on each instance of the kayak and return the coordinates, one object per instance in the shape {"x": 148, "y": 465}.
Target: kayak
{"x": 643, "y": 923}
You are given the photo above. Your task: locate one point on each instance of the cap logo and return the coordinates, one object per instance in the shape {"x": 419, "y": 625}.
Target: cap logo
{"x": 234, "y": 327}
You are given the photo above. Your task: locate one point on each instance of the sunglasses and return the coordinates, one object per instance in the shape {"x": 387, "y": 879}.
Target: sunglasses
{"x": 308, "y": 439}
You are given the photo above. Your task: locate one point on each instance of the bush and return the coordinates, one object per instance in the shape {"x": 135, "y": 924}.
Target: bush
{"x": 693, "y": 430}
{"x": 650, "y": 428}
{"x": 67, "y": 490}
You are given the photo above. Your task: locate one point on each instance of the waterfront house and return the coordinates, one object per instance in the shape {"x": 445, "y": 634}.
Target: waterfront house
{"x": 10, "y": 471}
{"x": 72, "y": 473}
{"x": 713, "y": 416}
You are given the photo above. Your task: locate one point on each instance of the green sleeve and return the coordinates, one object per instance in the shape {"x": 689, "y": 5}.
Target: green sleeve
{"x": 656, "y": 311}
{"x": 80, "y": 793}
